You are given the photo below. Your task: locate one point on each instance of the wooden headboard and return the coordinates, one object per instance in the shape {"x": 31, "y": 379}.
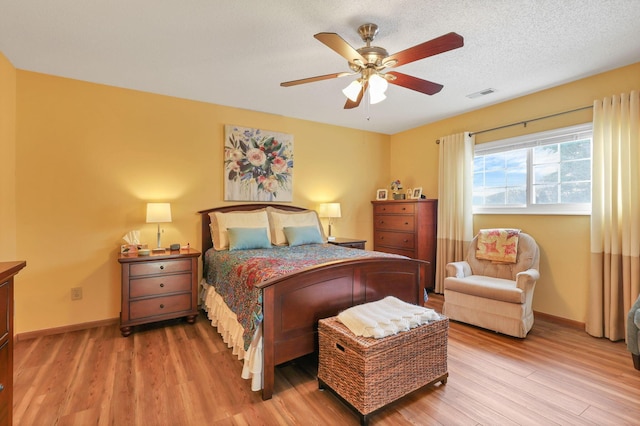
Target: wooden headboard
{"x": 206, "y": 220}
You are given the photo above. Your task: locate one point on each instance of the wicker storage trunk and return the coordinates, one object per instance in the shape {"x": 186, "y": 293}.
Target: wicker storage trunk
{"x": 371, "y": 373}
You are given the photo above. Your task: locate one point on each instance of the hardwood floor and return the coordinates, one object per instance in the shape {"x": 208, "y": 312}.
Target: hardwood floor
{"x": 181, "y": 374}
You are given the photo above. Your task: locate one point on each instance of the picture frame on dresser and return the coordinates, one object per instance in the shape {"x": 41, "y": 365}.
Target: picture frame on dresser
{"x": 381, "y": 194}
{"x": 417, "y": 193}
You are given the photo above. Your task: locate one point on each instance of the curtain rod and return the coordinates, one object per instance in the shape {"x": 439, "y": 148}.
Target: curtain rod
{"x": 526, "y": 121}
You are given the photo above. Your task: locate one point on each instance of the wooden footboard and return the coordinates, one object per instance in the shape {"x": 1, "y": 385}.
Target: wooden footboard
{"x": 293, "y": 305}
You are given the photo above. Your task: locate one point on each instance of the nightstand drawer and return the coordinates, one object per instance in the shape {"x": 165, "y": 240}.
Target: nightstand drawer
{"x": 394, "y": 208}
{"x": 160, "y": 306}
{"x": 160, "y": 267}
{"x": 395, "y": 223}
{"x": 396, "y": 239}
{"x": 159, "y": 285}
{"x": 353, "y": 245}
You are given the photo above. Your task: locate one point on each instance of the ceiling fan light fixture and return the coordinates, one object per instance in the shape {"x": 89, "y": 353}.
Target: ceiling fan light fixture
{"x": 378, "y": 84}
{"x": 376, "y": 97}
{"x": 353, "y": 90}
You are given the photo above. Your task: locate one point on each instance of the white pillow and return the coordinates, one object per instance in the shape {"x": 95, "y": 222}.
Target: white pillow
{"x": 279, "y": 219}
{"x": 221, "y": 221}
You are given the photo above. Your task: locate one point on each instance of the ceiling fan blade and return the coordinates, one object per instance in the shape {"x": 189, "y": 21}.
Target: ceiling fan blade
{"x": 354, "y": 104}
{"x": 428, "y": 48}
{"x": 341, "y": 47}
{"x": 317, "y": 78}
{"x": 414, "y": 83}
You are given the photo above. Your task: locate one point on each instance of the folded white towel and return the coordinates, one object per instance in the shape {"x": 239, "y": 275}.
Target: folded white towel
{"x": 385, "y": 317}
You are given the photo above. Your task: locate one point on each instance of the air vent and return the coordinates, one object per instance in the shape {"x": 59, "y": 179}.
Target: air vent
{"x": 481, "y": 93}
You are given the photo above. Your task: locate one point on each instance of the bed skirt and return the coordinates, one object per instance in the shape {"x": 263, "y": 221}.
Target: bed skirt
{"x": 231, "y": 331}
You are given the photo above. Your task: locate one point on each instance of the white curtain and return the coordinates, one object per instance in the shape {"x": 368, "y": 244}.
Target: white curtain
{"x": 455, "y": 189}
{"x": 615, "y": 217}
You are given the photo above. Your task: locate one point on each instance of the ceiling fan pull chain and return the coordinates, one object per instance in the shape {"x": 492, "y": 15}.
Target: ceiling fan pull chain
{"x": 368, "y": 105}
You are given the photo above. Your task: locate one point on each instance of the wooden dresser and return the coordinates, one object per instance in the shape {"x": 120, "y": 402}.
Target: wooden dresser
{"x": 158, "y": 287}
{"x": 408, "y": 227}
{"x": 7, "y": 271}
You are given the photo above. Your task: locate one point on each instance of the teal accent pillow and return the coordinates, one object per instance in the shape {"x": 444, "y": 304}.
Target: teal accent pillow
{"x": 248, "y": 238}
{"x": 299, "y": 235}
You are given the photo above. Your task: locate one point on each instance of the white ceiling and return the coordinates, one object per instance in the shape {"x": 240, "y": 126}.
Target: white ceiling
{"x": 236, "y": 53}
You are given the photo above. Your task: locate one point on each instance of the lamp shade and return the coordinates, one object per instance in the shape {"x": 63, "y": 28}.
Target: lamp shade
{"x": 353, "y": 90}
{"x": 329, "y": 210}
{"x": 377, "y": 86}
{"x": 158, "y": 212}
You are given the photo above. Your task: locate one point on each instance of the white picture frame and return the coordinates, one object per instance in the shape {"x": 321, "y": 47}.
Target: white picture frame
{"x": 381, "y": 194}
{"x": 417, "y": 193}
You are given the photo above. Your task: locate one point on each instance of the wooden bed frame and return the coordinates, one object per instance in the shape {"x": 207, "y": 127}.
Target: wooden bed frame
{"x": 293, "y": 304}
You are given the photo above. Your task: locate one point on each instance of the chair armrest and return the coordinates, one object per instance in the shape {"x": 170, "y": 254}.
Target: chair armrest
{"x": 458, "y": 269}
{"x": 525, "y": 280}
{"x": 632, "y": 328}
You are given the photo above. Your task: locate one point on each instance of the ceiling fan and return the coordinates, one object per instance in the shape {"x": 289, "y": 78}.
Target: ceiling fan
{"x": 369, "y": 61}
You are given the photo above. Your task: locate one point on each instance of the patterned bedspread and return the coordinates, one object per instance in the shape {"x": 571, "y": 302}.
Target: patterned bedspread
{"x": 235, "y": 273}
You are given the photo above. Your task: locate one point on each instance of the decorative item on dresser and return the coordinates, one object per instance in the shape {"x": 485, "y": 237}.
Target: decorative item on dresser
{"x": 158, "y": 287}
{"x": 349, "y": 242}
{"x": 408, "y": 227}
{"x": 7, "y": 271}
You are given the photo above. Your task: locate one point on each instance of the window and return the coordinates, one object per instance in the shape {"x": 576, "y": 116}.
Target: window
{"x": 540, "y": 173}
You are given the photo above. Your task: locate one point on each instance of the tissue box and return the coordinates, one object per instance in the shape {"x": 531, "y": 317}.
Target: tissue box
{"x": 131, "y": 248}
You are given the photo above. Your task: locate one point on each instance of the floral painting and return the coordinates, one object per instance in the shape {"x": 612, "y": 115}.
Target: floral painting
{"x": 258, "y": 165}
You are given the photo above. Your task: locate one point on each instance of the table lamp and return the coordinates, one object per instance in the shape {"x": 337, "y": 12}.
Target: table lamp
{"x": 330, "y": 210}
{"x": 158, "y": 213}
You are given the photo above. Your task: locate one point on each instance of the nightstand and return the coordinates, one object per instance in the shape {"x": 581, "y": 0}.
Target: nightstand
{"x": 348, "y": 242}
{"x": 158, "y": 287}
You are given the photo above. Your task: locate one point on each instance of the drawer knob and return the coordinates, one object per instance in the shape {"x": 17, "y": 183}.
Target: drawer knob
{"x": 406, "y": 223}
{"x": 406, "y": 241}
{"x": 162, "y": 306}
{"x": 161, "y": 284}
{"x": 1, "y": 387}
{"x": 161, "y": 266}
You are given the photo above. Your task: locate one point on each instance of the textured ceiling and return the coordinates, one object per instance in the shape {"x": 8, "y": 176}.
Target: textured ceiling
{"x": 236, "y": 53}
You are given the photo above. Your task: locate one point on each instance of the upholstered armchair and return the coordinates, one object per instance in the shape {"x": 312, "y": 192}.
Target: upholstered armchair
{"x": 633, "y": 333}
{"x": 491, "y": 294}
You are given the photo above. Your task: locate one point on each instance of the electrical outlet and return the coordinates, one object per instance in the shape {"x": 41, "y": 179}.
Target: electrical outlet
{"x": 76, "y": 293}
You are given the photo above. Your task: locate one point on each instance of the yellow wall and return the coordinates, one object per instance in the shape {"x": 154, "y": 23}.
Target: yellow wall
{"x": 7, "y": 160}
{"x": 90, "y": 156}
{"x": 563, "y": 240}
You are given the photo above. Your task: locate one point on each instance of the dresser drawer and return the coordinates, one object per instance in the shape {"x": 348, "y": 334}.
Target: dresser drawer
{"x": 394, "y": 208}
{"x": 396, "y": 250}
{"x": 395, "y": 239}
{"x": 159, "y": 306}
{"x": 159, "y": 267}
{"x": 395, "y": 223}
{"x": 151, "y": 286}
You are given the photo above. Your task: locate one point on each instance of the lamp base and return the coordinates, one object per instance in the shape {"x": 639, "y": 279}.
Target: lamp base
{"x": 159, "y": 250}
